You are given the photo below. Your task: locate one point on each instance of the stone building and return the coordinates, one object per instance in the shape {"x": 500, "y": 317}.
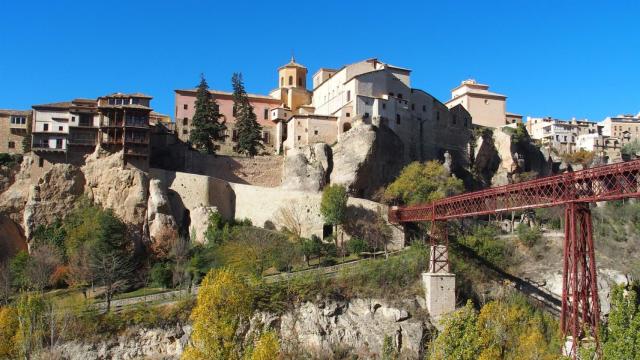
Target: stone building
{"x": 368, "y": 91}
{"x": 15, "y": 126}
{"x": 262, "y": 104}
{"x": 486, "y": 108}
{"x": 124, "y": 125}
{"x": 624, "y": 127}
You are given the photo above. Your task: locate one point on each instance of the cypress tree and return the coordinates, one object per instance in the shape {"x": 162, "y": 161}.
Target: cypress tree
{"x": 247, "y": 127}
{"x": 206, "y": 125}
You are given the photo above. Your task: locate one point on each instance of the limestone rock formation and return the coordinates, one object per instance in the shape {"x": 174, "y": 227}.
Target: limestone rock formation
{"x": 366, "y": 158}
{"x": 53, "y": 196}
{"x": 307, "y": 169}
{"x": 199, "y": 222}
{"x": 162, "y": 225}
{"x": 360, "y": 324}
{"x": 161, "y": 344}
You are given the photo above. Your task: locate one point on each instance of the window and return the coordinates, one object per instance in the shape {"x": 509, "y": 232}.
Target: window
{"x": 112, "y": 101}
{"x": 234, "y": 135}
{"x": 18, "y": 120}
{"x": 424, "y": 107}
{"x": 413, "y": 107}
{"x": 437, "y": 115}
{"x": 399, "y": 96}
{"x": 45, "y": 127}
{"x": 11, "y": 145}
{"x": 281, "y": 81}
{"x": 265, "y": 137}
{"x": 306, "y": 130}
{"x": 185, "y": 106}
{"x": 366, "y": 115}
{"x": 299, "y": 137}
{"x": 390, "y": 94}
{"x": 398, "y": 119}
{"x": 348, "y": 114}
{"x": 465, "y": 122}
{"x": 40, "y": 162}
{"x": 185, "y": 121}
{"x": 266, "y": 113}
{"x": 73, "y": 119}
{"x": 290, "y": 80}
{"x": 454, "y": 119}
{"x": 185, "y": 132}
{"x": 384, "y": 106}
{"x": 315, "y": 132}
{"x": 486, "y": 101}
{"x": 299, "y": 81}
{"x": 59, "y": 128}
{"x": 349, "y": 95}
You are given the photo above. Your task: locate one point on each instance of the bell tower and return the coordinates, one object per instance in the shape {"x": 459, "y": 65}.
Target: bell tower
{"x": 292, "y": 85}
{"x": 292, "y": 75}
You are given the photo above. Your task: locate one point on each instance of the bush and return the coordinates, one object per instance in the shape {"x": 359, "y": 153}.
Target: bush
{"x": 10, "y": 160}
{"x": 485, "y": 243}
{"x": 527, "y": 235}
{"x": 356, "y": 245}
{"x": 161, "y": 275}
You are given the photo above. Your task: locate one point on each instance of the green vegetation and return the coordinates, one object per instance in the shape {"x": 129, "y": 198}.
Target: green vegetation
{"x": 422, "y": 182}
{"x": 581, "y": 157}
{"x": 503, "y": 329}
{"x": 333, "y": 206}
{"x": 528, "y": 235}
{"x": 484, "y": 241}
{"x": 206, "y": 127}
{"x": 10, "y": 160}
{"x": 631, "y": 149}
{"x": 620, "y": 337}
{"x": 247, "y": 127}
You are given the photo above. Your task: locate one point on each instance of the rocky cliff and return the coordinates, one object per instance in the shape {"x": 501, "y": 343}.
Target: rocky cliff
{"x": 316, "y": 329}
{"x": 35, "y": 199}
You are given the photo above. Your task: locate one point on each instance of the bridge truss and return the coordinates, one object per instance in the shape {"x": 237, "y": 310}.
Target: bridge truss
{"x": 580, "y": 313}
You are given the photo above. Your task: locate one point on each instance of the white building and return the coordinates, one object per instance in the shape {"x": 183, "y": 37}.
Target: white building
{"x": 562, "y": 135}
{"x": 376, "y": 93}
{"x": 625, "y": 127}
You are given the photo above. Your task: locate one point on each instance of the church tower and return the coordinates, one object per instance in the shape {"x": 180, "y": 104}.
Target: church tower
{"x": 292, "y": 86}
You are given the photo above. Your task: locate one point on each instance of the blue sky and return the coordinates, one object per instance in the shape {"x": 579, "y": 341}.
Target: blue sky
{"x": 551, "y": 58}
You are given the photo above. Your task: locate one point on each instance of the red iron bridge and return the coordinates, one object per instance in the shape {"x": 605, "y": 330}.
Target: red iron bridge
{"x": 580, "y": 311}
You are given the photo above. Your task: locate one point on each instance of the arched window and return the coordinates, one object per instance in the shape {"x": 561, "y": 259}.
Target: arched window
{"x": 282, "y": 81}
{"x": 346, "y": 127}
{"x": 299, "y": 81}
{"x": 290, "y": 80}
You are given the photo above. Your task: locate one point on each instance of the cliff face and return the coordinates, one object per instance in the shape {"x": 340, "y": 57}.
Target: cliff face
{"x": 310, "y": 329}
{"x": 39, "y": 200}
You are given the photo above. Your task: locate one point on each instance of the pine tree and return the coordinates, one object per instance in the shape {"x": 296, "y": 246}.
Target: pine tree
{"x": 206, "y": 125}
{"x": 249, "y": 131}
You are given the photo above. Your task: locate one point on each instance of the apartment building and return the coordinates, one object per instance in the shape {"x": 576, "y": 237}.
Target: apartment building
{"x": 124, "y": 126}
{"x": 15, "y": 127}
{"x": 487, "y": 108}
{"x": 624, "y": 127}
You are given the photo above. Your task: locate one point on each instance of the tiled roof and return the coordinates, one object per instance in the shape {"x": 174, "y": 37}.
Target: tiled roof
{"x": 218, "y": 92}
{"x": 14, "y": 112}
{"x": 122, "y": 95}
{"x": 57, "y": 105}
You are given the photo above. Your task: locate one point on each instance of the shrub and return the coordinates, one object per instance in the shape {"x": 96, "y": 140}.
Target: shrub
{"x": 161, "y": 275}
{"x": 485, "y": 243}
{"x": 527, "y": 235}
{"x": 356, "y": 245}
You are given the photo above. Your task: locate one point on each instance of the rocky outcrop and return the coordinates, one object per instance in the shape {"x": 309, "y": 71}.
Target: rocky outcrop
{"x": 161, "y": 344}
{"x": 499, "y": 160}
{"x": 163, "y": 227}
{"x": 367, "y": 158}
{"x": 53, "y": 196}
{"x": 199, "y": 217}
{"x": 360, "y": 325}
{"x": 307, "y": 169}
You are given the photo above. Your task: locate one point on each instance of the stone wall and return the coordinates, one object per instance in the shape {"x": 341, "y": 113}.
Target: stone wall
{"x": 261, "y": 205}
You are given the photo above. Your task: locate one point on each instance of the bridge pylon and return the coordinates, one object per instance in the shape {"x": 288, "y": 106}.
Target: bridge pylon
{"x": 439, "y": 283}
{"x": 580, "y": 303}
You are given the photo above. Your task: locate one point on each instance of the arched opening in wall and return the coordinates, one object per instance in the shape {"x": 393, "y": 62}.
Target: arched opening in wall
{"x": 346, "y": 127}
{"x": 290, "y": 80}
{"x": 299, "y": 81}
{"x": 327, "y": 231}
{"x": 282, "y": 81}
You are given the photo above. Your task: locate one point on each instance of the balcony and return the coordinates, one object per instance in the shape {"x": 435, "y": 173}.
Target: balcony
{"x": 45, "y": 147}
{"x": 137, "y": 124}
{"x": 81, "y": 142}
{"x": 137, "y": 140}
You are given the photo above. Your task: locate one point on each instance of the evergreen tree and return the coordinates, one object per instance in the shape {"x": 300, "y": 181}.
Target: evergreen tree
{"x": 206, "y": 125}
{"x": 249, "y": 131}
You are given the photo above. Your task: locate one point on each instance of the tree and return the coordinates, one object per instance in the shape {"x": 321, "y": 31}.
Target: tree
{"x": 8, "y": 326}
{"x": 253, "y": 250}
{"x": 31, "y": 324}
{"x": 18, "y": 270}
{"x": 581, "y": 157}
{"x": 224, "y": 301}
{"x": 621, "y": 335}
{"x": 458, "y": 339}
{"x": 311, "y": 247}
{"x": 333, "y": 206}
{"x": 631, "y": 149}
{"x": 267, "y": 348}
{"x": 377, "y": 233}
{"x": 6, "y": 289}
{"x": 79, "y": 273}
{"x": 206, "y": 125}
{"x": 44, "y": 260}
{"x": 111, "y": 269}
{"x": 421, "y": 183}
{"x": 247, "y": 127}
